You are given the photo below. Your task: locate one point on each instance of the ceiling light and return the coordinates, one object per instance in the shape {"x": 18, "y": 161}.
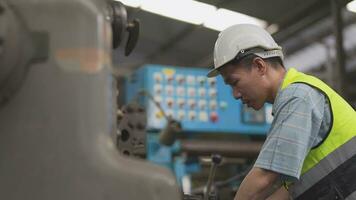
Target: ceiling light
{"x": 224, "y": 18}
{"x": 195, "y": 12}
{"x": 351, "y": 6}
{"x": 185, "y": 10}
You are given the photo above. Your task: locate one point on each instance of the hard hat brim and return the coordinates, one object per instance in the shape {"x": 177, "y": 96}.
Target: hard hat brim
{"x": 213, "y": 73}
{"x": 264, "y": 54}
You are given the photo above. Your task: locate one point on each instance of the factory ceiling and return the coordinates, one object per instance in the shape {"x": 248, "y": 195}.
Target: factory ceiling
{"x": 170, "y": 42}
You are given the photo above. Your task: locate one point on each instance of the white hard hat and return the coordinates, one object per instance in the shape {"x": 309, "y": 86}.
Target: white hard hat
{"x": 240, "y": 38}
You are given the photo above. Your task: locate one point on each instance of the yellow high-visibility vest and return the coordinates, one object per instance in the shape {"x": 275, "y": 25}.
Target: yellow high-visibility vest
{"x": 335, "y": 152}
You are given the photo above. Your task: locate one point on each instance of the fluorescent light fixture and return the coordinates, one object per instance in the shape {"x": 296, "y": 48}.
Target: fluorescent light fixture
{"x": 131, "y": 3}
{"x": 351, "y": 6}
{"x": 224, "y": 18}
{"x": 193, "y": 12}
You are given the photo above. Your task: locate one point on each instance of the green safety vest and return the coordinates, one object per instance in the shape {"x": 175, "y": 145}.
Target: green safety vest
{"x": 329, "y": 169}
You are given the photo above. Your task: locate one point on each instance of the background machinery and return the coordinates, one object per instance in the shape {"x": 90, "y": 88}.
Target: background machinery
{"x": 58, "y": 107}
{"x": 190, "y": 117}
{"x": 59, "y": 129}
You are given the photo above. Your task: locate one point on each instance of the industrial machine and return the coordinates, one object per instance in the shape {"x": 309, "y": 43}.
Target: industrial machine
{"x": 58, "y": 105}
{"x": 201, "y": 104}
{"x": 190, "y": 117}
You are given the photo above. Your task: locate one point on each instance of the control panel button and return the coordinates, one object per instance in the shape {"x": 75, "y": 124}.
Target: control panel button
{"x": 180, "y": 79}
{"x": 180, "y": 91}
{"x": 170, "y": 103}
{"x": 192, "y": 115}
{"x": 169, "y": 78}
{"x": 202, "y": 104}
{"x": 213, "y": 105}
{"x": 202, "y": 92}
{"x": 203, "y": 116}
{"x": 191, "y": 92}
{"x": 159, "y": 115}
{"x": 157, "y": 77}
{"x": 181, "y": 115}
{"x": 191, "y": 80}
{"x": 212, "y": 93}
{"x": 214, "y": 117}
{"x": 170, "y": 113}
{"x": 212, "y": 82}
{"x": 157, "y": 89}
{"x": 169, "y": 90}
{"x": 223, "y": 105}
{"x": 181, "y": 103}
{"x": 191, "y": 103}
{"x": 201, "y": 80}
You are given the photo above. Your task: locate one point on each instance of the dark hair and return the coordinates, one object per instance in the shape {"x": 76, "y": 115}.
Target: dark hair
{"x": 246, "y": 61}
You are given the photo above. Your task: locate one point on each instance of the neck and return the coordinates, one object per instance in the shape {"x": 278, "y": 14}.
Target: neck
{"x": 277, "y": 79}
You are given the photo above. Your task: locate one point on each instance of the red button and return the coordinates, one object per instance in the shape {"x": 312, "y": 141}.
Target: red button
{"x": 214, "y": 117}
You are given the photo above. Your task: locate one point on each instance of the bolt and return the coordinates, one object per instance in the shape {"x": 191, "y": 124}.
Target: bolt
{"x": 130, "y": 125}
{"x": 140, "y": 126}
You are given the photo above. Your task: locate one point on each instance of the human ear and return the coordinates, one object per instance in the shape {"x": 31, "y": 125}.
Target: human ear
{"x": 260, "y": 65}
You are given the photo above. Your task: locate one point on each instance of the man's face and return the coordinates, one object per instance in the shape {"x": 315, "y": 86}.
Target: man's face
{"x": 247, "y": 84}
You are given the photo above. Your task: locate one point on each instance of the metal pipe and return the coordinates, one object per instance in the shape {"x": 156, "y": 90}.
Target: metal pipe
{"x": 340, "y": 52}
{"x": 245, "y": 149}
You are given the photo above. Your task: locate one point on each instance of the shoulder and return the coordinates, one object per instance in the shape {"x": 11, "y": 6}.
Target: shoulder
{"x": 300, "y": 95}
{"x": 301, "y": 90}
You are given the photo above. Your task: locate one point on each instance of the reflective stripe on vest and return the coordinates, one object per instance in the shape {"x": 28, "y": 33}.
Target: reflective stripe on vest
{"x": 334, "y": 153}
{"x": 326, "y": 166}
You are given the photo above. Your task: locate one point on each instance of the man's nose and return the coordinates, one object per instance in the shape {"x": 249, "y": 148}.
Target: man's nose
{"x": 236, "y": 93}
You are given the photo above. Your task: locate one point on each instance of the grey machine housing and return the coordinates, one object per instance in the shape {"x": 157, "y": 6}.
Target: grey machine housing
{"x": 58, "y": 108}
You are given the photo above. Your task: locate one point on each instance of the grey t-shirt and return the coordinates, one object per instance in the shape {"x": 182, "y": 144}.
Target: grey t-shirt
{"x": 301, "y": 120}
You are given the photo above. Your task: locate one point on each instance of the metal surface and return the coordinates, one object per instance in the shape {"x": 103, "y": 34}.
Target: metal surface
{"x": 18, "y": 48}
{"x": 131, "y": 139}
{"x": 224, "y": 148}
{"x": 340, "y": 52}
{"x": 57, "y": 136}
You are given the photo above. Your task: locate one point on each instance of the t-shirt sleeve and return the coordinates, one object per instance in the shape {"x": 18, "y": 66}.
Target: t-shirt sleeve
{"x": 292, "y": 134}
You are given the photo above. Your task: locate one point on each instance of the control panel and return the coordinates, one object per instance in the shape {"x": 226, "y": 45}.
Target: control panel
{"x": 201, "y": 104}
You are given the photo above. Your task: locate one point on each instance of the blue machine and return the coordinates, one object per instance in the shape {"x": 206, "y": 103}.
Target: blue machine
{"x": 201, "y": 104}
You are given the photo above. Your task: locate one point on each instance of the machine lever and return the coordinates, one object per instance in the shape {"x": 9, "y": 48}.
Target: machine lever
{"x": 215, "y": 161}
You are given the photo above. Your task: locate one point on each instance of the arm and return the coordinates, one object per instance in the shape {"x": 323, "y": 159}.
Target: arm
{"x": 280, "y": 194}
{"x": 295, "y": 112}
{"x": 257, "y": 184}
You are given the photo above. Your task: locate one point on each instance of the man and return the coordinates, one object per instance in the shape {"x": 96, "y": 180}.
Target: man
{"x": 311, "y": 146}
